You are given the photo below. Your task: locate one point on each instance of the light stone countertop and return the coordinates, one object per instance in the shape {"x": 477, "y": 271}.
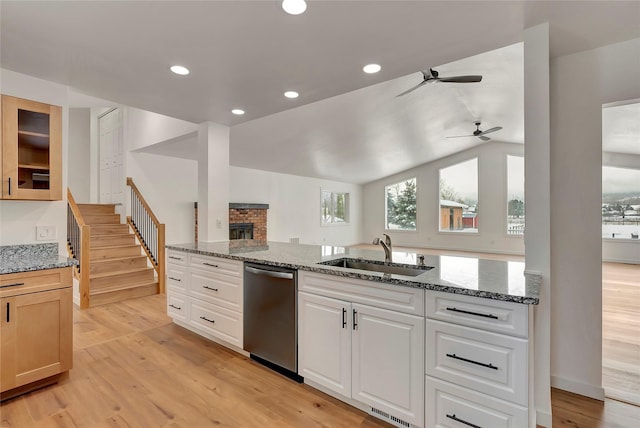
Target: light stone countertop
{"x": 31, "y": 257}
{"x": 498, "y": 280}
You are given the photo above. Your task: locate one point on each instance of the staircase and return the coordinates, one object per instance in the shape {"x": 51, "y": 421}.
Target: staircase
{"x": 118, "y": 268}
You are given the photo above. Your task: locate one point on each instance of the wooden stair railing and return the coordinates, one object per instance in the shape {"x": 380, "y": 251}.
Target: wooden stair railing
{"x": 78, "y": 247}
{"x": 149, "y": 231}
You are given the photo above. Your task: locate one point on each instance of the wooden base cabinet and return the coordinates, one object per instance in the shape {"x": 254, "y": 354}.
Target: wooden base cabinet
{"x": 372, "y": 355}
{"x": 35, "y": 329}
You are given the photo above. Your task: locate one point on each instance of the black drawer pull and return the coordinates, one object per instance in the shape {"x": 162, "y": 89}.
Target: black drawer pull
{"x": 9, "y": 186}
{"x": 462, "y": 421}
{"x": 175, "y": 279}
{"x": 12, "y": 285}
{"x": 478, "y": 314}
{"x": 176, "y": 307}
{"x": 355, "y": 319}
{"x": 489, "y": 366}
{"x": 208, "y": 320}
{"x": 175, "y": 258}
{"x": 344, "y": 318}
{"x": 210, "y": 264}
{"x": 209, "y": 288}
{"x": 8, "y": 312}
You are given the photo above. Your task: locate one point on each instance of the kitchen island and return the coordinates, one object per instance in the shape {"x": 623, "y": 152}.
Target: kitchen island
{"x": 450, "y": 345}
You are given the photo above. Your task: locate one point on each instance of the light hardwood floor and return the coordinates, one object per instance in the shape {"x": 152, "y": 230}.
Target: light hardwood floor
{"x": 134, "y": 368}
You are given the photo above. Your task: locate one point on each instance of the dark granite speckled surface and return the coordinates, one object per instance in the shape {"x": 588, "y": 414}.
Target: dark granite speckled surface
{"x": 498, "y": 280}
{"x": 30, "y": 257}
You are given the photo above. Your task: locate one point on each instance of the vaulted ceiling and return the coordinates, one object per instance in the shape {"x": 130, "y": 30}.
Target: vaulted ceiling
{"x": 345, "y": 125}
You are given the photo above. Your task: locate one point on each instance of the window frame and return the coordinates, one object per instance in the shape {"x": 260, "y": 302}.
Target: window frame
{"x": 386, "y": 208}
{"x": 332, "y": 215}
{"x": 463, "y": 231}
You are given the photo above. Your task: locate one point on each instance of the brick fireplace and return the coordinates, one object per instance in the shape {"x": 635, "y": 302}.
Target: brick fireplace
{"x": 245, "y": 217}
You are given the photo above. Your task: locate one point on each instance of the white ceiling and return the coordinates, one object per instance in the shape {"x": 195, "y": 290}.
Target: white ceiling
{"x": 346, "y": 125}
{"x": 621, "y": 128}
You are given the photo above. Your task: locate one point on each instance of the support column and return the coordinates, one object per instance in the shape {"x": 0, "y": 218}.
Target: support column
{"x": 213, "y": 182}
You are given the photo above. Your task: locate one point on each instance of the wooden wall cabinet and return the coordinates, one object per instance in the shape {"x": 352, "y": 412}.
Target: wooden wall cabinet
{"x": 36, "y": 329}
{"x": 31, "y": 150}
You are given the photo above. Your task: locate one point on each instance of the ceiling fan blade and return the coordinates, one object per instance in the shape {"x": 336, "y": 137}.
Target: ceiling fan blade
{"x": 494, "y": 129}
{"x": 483, "y": 138}
{"x": 460, "y": 79}
{"x": 459, "y": 136}
{"x": 411, "y": 89}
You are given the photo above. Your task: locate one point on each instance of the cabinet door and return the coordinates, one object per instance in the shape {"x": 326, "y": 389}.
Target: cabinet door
{"x": 31, "y": 150}
{"x": 388, "y": 362}
{"x": 36, "y": 337}
{"x": 324, "y": 342}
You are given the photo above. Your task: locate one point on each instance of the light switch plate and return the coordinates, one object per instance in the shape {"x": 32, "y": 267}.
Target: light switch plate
{"x": 45, "y": 233}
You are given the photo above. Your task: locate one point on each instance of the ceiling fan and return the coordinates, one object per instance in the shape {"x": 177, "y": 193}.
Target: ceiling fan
{"x": 432, "y": 76}
{"x": 478, "y": 133}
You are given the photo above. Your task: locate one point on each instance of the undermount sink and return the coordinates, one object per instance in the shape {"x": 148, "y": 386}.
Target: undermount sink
{"x": 377, "y": 266}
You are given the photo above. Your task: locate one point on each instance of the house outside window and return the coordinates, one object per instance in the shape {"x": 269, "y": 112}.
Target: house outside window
{"x": 620, "y": 203}
{"x": 400, "y": 205}
{"x": 335, "y": 207}
{"x": 459, "y": 197}
{"x": 515, "y": 195}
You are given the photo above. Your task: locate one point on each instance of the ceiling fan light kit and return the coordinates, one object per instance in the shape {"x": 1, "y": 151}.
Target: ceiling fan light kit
{"x": 433, "y": 76}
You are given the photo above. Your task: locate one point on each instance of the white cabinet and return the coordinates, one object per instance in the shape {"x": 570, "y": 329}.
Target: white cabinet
{"x": 204, "y": 294}
{"x": 369, "y": 354}
{"x": 477, "y": 362}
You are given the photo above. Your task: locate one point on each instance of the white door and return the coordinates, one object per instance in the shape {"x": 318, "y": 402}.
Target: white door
{"x": 387, "y": 369}
{"x": 324, "y": 342}
{"x": 111, "y": 145}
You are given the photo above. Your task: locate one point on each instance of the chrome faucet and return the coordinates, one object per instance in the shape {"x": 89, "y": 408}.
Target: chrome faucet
{"x": 388, "y": 249}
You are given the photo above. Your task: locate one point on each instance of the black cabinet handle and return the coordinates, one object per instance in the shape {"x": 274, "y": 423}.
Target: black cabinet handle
{"x": 478, "y": 314}
{"x": 209, "y": 288}
{"x": 208, "y": 320}
{"x": 355, "y": 319}
{"x": 12, "y": 285}
{"x": 344, "y": 318}
{"x": 8, "y": 312}
{"x": 9, "y": 186}
{"x": 462, "y": 421}
{"x": 175, "y": 258}
{"x": 489, "y": 366}
{"x": 175, "y": 279}
{"x": 210, "y": 264}
{"x": 176, "y": 307}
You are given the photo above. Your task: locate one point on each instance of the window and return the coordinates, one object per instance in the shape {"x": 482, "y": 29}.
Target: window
{"x": 335, "y": 207}
{"x": 620, "y": 202}
{"x": 459, "y": 197}
{"x": 400, "y": 204}
{"x": 515, "y": 195}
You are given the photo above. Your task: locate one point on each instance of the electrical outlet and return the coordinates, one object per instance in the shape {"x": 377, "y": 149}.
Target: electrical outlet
{"x": 45, "y": 233}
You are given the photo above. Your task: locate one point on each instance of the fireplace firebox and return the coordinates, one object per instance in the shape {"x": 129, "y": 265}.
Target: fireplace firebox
{"x": 241, "y": 231}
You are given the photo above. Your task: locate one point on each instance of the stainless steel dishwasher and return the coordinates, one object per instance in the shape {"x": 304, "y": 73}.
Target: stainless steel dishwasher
{"x": 271, "y": 317}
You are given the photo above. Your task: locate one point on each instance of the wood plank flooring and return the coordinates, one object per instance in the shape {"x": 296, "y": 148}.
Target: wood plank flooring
{"x": 134, "y": 368}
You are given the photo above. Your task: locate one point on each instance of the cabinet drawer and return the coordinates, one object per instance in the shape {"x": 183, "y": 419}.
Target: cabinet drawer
{"x": 487, "y": 314}
{"x": 491, "y": 363}
{"x": 177, "y": 307}
{"x": 216, "y": 288}
{"x": 449, "y": 405}
{"x": 216, "y": 321}
{"x": 393, "y": 297}
{"x": 14, "y": 284}
{"x": 177, "y": 257}
{"x": 216, "y": 264}
{"x": 177, "y": 278}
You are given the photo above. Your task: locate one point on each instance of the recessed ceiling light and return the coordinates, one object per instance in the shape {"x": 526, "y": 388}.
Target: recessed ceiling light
{"x": 237, "y": 111}
{"x": 291, "y": 94}
{"x": 294, "y": 7}
{"x": 371, "y": 68}
{"x": 178, "y": 69}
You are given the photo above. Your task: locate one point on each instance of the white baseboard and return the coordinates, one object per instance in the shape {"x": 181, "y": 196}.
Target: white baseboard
{"x": 591, "y": 391}
{"x": 544, "y": 419}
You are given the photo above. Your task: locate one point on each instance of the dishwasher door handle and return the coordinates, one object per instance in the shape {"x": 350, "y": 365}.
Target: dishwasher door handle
{"x": 284, "y": 275}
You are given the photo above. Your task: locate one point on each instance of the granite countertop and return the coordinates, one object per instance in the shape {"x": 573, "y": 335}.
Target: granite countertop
{"x": 498, "y": 280}
{"x": 30, "y": 257}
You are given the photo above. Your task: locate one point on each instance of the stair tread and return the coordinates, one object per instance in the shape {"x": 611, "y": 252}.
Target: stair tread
{"x": 121, "y": 287}
{"x": 119, "y": 272}
{"x": 114, "y": 259}
{"x": 117, "y": 246}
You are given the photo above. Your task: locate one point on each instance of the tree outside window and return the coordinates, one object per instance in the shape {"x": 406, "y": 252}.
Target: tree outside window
{"x": 334, "y": 207}
{"x": 401, "y": 212}
{"x": 459, "y": 197}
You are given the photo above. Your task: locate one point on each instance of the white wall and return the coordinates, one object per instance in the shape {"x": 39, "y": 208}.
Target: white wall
{"x": 294, "y": 206}
{"x": 146, "y": 128}
{"x": 18, "y": 219}
{"x": 79, "y": 168}
{"x": 491, "y": 237}
{"x": 580, "y": 84}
